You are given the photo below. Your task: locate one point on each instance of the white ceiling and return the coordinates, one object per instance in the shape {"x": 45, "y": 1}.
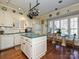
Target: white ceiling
{"x": 44, "y": 7}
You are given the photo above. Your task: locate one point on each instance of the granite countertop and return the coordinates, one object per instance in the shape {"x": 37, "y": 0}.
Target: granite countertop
{"x": 13, "y": 33}
{"x": 29, "y": 35}
{"x": 32, "y": 35}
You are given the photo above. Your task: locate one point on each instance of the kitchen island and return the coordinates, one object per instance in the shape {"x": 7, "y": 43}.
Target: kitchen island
{"x": 34, "y": 46}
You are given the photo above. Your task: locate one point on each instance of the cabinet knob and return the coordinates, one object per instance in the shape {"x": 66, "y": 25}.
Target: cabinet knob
{"x": 23, "y": 43}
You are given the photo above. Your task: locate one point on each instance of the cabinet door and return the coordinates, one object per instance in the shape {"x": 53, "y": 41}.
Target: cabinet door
{"x": 7, "y": 41}
{"x": 23, "y": 48}
{"x": 23, "y": 44}
{"x": 28, "y": 49}
{"x": 17, "y": 39}
{"x": 39, "y": 49}
{"x": 8, "y": 20}
{"x": 1, "y": 18}
{"x": 22, "y": 24}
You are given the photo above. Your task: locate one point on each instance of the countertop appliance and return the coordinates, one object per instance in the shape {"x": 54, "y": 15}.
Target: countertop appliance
{"x": 1, "y": 30}
{"x": 28, "y": 29}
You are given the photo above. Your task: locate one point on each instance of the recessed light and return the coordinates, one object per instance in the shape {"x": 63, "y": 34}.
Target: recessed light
{"x": 7, "y": 1}
{"x": 50, "y": 15}
{"x": 19, "y": 8}
{"x": 60, "y": 1}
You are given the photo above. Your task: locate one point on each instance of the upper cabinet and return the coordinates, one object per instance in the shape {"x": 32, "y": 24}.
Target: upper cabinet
{"x": 22, "y": 24}
{"x": 10, "y": 19}
{"x": 18, "y": 21}
{"x": 6, "y": 18}
{"x": 1, "y": 18}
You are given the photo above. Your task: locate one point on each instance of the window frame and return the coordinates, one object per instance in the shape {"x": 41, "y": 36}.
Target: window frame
{"x": 68, "y": 17}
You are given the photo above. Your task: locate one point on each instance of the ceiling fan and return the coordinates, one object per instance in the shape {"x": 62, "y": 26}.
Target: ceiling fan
{"x": 33, "y": 11}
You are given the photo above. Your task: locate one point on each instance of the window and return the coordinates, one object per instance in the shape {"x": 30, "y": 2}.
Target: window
{"x": 74, "y": 27}
{"x": 56, "y": 25}
{"x": 68, "y": 26}
{"x": 64, "y": 27}
{"x": 50, "y": 27}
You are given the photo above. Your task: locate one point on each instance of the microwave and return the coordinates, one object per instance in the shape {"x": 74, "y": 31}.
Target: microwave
{"x": 28, "y": 29}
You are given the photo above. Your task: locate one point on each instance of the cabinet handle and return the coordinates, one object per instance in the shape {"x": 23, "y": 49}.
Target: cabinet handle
{"x": 23, "y": 43}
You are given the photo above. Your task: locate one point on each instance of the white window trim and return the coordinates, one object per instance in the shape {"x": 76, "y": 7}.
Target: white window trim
{"x": 68, "y": 17}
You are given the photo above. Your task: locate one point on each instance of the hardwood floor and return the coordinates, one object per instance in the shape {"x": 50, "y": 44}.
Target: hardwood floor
{"x": 52, "y": 53}
{"x": 12, "y": 54}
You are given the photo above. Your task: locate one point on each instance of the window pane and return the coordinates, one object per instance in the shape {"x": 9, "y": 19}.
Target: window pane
{"x": 50, "y": 26}
{"x": 64, "y": 32}
{"x": 72, "y": 32}
{"x": 73, "y": 22}
{"x": 74, "y": 19}
{"x": 74, "y": 27}
{"x": 64, "y": 26}
{"x": 56, "y": 25}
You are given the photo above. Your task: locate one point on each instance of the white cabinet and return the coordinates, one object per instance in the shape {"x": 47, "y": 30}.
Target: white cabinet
{"x": 1, "y": 18}
{"x": 39, "y": 50}
{"x": 34, "y": 48}
{"x": 26, "y": 47}
{"x": 17, "y": 39}
{"x": 22, "y": 23}
{"x": 8, "y": 20}
{"x": 16, "y": 23}
{"x": 7, "y": 41}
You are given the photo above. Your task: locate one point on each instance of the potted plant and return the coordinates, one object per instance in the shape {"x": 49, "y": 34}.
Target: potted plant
{"x": 59, "y": 32}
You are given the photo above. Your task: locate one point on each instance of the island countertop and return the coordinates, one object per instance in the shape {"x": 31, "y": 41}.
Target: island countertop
{"x": 32, "y": 35}
{"x": 33, "y": 45}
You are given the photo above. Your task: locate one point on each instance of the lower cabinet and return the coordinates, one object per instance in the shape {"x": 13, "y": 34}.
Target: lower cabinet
{"x": 17, "y": 39}
{"x": 6, "y": 41}
{"x": 9, "y": 41}
{"x": 26, "y": 47}
{"x": 34, "y": 50}
{"x": 39, "y": 50}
